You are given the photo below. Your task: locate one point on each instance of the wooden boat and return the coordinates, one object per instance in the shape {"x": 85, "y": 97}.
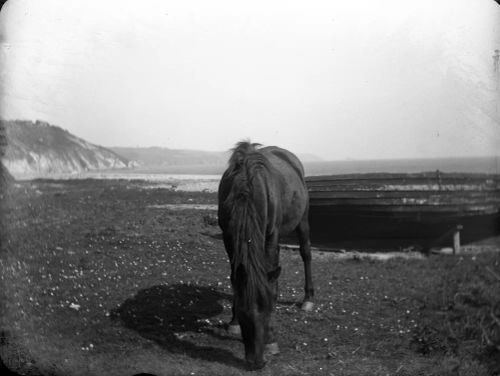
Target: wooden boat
{"x": 416, "y": 202}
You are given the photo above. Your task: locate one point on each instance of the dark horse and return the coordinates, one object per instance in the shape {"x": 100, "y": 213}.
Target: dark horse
{"x": 262, "y": 195}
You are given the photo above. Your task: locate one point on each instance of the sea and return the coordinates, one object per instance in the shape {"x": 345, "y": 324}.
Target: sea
{"x": 484, "y": 165}
{"x": 487, "y": 165}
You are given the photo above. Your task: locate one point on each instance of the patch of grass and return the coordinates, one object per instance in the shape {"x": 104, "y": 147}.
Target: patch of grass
{"x": 462, "y": 317}
{"x": 96, "y": 281}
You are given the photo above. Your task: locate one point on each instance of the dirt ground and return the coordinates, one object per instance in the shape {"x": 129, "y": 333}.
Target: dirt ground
{"x": 104, "y": 277}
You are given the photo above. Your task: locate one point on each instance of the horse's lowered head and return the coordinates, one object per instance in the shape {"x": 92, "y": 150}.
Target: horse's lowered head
{"x": 253, "y": 307}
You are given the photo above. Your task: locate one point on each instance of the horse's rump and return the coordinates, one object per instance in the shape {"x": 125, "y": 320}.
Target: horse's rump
{"x": 275, "y": 179}
{"x": 261, "y": 194}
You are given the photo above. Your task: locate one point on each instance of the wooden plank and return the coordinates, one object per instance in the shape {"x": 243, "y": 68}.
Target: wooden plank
{"x": 380, "y": 183}
{"x": 472, "y": 209}
{"x": 404, "y": 187}
{"x": 387, "y": 195}
{"x": 406, "y": 177}
{"x": 406, "y": 201}
{"x": 444, "y": 184}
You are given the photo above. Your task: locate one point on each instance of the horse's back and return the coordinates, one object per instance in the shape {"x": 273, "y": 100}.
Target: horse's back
{"x": 286, "y": 183}
{"x": 285, "y": 162}
{"x": 293, "y": 190}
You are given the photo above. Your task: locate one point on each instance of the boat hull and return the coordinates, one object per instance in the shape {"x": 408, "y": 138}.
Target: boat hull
{"x": 403, "y": 205}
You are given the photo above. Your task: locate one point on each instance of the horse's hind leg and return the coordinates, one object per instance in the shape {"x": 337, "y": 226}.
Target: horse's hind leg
{"x": 305, "y": 253}
{"x": 233, "y": 326}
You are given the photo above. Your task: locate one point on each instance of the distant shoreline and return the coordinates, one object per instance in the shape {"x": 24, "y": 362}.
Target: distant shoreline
{"x": 485, "y": 165}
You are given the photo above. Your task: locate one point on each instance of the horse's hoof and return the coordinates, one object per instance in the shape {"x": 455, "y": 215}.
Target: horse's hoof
{"x": 307, "y": 306}
{"x": 255, "y": 366}
{"x": 272, "y": 348}
{"x": 234, "y": 330}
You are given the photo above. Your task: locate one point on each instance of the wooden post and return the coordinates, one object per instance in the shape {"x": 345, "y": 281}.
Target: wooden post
{"x": 456, "y": 239}
{"x": 455, "y": 231}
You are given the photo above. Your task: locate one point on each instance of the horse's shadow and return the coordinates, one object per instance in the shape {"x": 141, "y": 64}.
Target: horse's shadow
{"x": 174, "y": 315}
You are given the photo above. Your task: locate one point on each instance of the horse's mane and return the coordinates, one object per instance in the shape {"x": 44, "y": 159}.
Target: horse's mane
{"x": 247, "y": 166}
{"x": 241, "y": 151}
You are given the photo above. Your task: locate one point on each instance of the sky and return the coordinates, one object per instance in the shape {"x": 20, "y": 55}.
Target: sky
{"x": 358, "y": 80}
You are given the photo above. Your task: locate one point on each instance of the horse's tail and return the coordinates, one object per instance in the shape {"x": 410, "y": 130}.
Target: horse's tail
{"x": 248, "y": 261}
{"x": 248, "y": 206}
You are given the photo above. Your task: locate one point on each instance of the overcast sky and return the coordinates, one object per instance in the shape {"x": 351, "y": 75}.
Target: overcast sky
{"x": 361, "y": 79}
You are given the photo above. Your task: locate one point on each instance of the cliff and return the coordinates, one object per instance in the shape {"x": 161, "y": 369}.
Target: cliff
{"x": 38, "y": 149}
